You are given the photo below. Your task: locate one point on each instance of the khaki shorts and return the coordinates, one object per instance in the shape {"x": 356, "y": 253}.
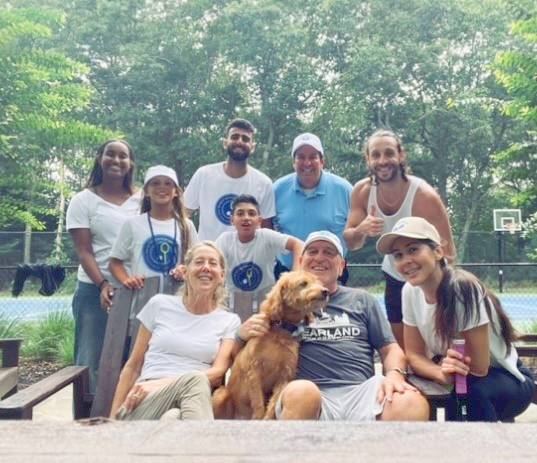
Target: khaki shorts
{"x": 348, "y": 403}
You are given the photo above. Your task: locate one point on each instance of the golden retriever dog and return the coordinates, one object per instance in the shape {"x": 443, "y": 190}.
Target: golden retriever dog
{"x": 267, "y": 363}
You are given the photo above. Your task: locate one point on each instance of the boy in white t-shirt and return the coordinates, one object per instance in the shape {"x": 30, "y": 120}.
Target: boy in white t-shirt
{"x": 251, "y": 251}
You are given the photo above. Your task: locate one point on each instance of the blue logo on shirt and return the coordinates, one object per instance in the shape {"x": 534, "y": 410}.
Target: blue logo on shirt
{"x": 160, "y": 253}
{"x": 247, "y": 276}
{"x": 223, "y": 208}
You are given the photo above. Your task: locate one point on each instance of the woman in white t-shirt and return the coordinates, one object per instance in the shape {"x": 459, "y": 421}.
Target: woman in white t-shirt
{"x": 155, "y": 242}
{"x": 440, "y": 304}
{"x": 94, "y": 217}
{"x": 183, "y": 348}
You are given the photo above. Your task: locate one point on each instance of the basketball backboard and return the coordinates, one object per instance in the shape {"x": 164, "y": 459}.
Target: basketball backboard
{"x": 507, "y": 220}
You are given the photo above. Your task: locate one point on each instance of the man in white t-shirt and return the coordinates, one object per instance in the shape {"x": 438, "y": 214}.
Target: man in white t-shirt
{"x": 213, "y": 187}
{"x": 251, "y": 252}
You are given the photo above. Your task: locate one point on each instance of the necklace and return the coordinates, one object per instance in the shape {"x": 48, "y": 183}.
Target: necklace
{"x": 167, "y": 253}
{"x": 391, "y": 205}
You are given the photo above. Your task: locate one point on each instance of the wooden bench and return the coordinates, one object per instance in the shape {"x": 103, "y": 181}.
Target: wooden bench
{"x": 9, "y": 366}
{"x": 245, "y": 304}
{"x": 527, "y": 348}
{"x": 120, "y": 329}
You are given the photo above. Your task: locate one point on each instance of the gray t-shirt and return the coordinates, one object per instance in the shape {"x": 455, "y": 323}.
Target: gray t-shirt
{"x": 337, "y": 348}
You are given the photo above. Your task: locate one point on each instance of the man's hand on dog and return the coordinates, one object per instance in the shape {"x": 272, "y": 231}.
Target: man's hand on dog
{"x": 256, "y": 325}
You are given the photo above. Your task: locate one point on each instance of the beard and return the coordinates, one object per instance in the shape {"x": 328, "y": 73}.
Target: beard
{"x": 239, "y": 156}
{"x": 393, "y": 174}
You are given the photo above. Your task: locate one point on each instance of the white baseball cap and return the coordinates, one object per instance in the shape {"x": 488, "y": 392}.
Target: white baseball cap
{"x": 408, "y": 227}
{"x": 155, "y": 171}
{"x": 307, "y": 139}
{"x": 324, "y": 235}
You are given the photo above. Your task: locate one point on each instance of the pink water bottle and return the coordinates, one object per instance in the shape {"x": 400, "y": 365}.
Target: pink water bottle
{"x": 461, "y": 387}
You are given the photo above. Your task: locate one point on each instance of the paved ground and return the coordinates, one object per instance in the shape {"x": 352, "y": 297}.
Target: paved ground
{"x": 274, "y": 442}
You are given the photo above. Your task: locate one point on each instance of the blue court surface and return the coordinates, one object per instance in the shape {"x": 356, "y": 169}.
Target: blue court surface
{"x": 522, "y": 308}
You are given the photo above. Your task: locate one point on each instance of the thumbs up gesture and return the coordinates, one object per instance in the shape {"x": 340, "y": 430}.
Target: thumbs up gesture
{"x": 372, "y": 225}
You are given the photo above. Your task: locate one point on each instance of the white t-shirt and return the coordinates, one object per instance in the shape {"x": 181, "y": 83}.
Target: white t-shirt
{"x": 419, "y": 313}
{"x": 181, "y": 341}
{"x": 250, "y": 266}
{"x": 212, "y": 191}
{"x": 151, "y": 255}
{"x": 104, "y": 220}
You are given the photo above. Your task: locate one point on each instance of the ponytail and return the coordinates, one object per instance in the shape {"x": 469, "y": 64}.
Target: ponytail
{"x": 461, "y": 287}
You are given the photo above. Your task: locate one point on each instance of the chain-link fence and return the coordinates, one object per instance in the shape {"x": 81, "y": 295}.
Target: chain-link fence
{"x": 515, "y": 284}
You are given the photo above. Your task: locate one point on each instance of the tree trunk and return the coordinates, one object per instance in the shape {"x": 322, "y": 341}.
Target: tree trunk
{"x": 58, "y": 248}
{"x": 268, "y": 147}
{"x": 462, "y": 241}
{"x": 27, "y": 243}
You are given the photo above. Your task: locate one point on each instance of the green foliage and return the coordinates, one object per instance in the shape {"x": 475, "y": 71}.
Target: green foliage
{"x": 10, "y": 327}
{"x": 51, "y": 338}
{"x": 42, "y": 100}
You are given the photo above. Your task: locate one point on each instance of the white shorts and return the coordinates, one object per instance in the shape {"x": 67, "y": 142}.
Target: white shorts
{"x": 348, "y": 403}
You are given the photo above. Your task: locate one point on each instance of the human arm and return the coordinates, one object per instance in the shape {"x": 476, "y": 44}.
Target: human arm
{"x": 255, "y": 326}
{"x": 361, "y": 223}
{"x": 125, "y": 390}
{"x": 393, "y": 362}
{"x": 415, "y": 350}
{"x": 119, "y": 272}
{"x": 296, "y": 247}
{"x": 222, "y": 362}
{"x": 86, "y": 257}
{"x": 429, "y": 205}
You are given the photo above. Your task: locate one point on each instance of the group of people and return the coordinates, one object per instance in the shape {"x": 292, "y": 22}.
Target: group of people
{"x": 307, "y": 219}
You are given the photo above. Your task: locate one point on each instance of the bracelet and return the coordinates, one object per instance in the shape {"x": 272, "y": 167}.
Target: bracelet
{"x": 102, "y": 283}
{"x": 238, "y": 338}
{"x": 402, "y": 372}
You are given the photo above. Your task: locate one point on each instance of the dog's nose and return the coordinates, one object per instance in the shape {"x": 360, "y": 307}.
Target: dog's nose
{"x": 325, "y": 293}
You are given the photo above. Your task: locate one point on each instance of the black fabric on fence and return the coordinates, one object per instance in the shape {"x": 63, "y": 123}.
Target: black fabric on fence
{"x": 51, "y": 277}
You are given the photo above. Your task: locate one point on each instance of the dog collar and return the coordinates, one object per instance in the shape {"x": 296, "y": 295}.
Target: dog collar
{"x": 294, "y": 330}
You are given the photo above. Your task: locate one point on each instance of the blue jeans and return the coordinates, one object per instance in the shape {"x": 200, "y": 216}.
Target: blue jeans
{"x": 90, "y": 326}
{"x": 499, "y": 396}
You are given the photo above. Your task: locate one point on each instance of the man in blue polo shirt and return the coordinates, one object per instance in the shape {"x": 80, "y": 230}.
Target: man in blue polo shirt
{"x": 310, "y": 199}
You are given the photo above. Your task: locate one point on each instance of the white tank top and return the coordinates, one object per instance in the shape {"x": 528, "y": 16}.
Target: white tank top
{"x": 390, "y": 220}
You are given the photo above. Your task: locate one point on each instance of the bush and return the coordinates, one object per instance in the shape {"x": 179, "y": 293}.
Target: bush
{"x": 51, "y": 338}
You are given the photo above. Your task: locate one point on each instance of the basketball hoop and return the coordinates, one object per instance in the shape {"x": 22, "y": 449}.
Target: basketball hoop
{"x": 511, "y": 227}
{"x": 507, "y": 220}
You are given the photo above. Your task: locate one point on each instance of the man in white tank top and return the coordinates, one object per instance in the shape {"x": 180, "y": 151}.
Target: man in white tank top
{"x": 386, "y": 196}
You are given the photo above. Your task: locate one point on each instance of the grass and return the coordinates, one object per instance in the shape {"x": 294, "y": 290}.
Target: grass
{"x": 10, "y": 327}
{"x": 51, "y": 338}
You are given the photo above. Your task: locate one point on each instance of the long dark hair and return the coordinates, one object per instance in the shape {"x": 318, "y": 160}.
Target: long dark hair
{"x": 403, "y": 166}
{"x": 178, "y": 213}
{"x": 96, "y": 174}
{"x": 461, "y": 287}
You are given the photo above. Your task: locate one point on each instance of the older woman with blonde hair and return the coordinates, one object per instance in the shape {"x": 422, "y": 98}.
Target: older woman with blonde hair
{"x": 183, "y": 348}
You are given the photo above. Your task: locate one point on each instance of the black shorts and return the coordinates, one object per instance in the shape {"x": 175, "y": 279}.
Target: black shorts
{"x": 392, "y": 299}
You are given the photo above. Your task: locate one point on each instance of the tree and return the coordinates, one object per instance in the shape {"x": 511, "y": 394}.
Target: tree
{"x": 41, "y": 117}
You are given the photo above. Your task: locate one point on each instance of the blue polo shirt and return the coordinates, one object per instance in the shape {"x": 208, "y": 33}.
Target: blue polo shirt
{"x": 325, "y": 208}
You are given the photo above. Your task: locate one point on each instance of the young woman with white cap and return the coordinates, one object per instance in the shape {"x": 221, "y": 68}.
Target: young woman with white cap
{"x": 442, "y": 303}
{"x": 155, "y": 242}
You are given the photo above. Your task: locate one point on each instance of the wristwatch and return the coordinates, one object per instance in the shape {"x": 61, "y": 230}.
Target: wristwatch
{"x": 404, "y": 373}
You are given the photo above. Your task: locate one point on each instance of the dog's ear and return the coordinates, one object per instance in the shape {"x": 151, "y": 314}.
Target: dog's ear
{"x": 273, "y": 303}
